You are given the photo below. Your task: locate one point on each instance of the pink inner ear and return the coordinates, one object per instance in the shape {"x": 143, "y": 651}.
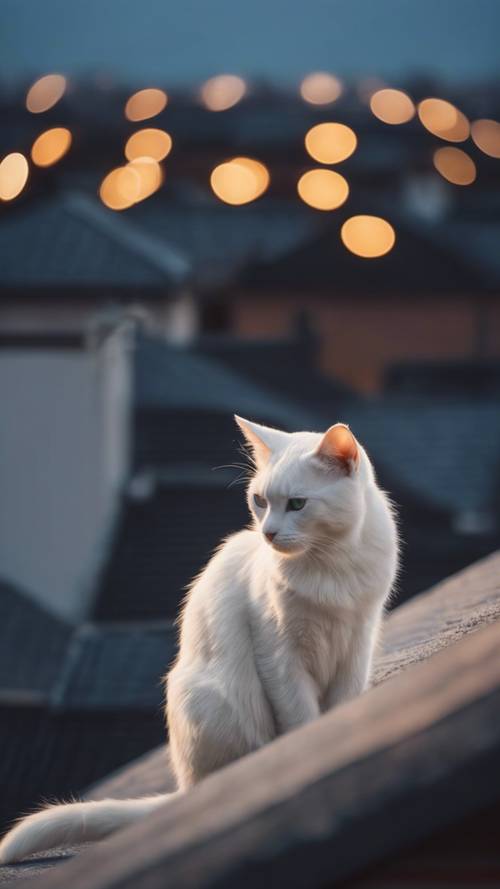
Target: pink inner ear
{"x": 338, "y": 443}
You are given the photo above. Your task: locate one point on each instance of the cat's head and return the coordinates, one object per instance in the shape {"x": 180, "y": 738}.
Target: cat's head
{"x": 307, "y": 487}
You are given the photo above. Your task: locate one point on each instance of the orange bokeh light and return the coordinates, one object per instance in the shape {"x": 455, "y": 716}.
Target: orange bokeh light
{"x": 149, "y": 142}
{"x": 442, "y": 119}
{"x": 455, "y": 165}
{"x": 150, "y": 176}
{"x": 14, "y": 171}
{"x": 323, "y": 189}
{"x": 222, "y": 92}
{"x": 320, "y": 88}
{"x": 146, "y": 103}
{"x": 50, "y": 146}
{"x": 368, "y": 236}
{"x": 235, "y": 183}
{"x": 392, "y": 106}
{"x": 330, "y": 143}
{"x": 258, "y": 170}
{"x": 486, "y": 135}
{"x": 132, "y": 183}
{"x": 45, "y": 93}
{"x": 120, "y": 188}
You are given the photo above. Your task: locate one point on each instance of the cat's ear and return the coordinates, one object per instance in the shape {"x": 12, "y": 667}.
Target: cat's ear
{"x": 338, "y": 446}
{"x": 261, "y": 439}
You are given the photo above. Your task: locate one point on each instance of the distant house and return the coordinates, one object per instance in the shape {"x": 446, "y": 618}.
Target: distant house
{"x": 67, "y": 263}
{"x": 428, "y": 299}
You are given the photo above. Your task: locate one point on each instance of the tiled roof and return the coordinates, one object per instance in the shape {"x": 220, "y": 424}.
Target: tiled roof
{"x": 116, "y": 667}
{"x": 476, "y": 239}
{"x": 162, "y": 542}
{"x": 71, "y": 240}
{"x": 417, "y": 264}
{"x": 446, "y": 452}
{"x": 219, "y": 238}
{"x": 33, "y": 643}
{"x": 287, "y": 367}
{"x": 104, "y": 705}
{"x": 107, "y": 706}
{"x": 176, "y": 378}
{"x": 466, "y": 380}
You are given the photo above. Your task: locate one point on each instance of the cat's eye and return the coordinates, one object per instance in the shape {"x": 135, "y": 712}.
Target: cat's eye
{"x": 296, "y": 503}
{"x": 259, "y": 501}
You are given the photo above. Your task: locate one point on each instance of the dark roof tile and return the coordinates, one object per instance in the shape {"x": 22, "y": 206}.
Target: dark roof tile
{"x": 161, "y": 543}
{"x": 116, "y": 667}
{"x": 72, "y": 241}
{"x": 33, "y": 643}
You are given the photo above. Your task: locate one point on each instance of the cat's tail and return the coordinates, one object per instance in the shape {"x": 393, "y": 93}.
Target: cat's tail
{"x": 61, "y": 825}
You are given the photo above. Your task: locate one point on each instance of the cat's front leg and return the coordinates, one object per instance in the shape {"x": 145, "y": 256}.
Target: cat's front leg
{"x": 293, "y": 696}
{"x": 350, "y": 681}
{"x": 354, "y": 671}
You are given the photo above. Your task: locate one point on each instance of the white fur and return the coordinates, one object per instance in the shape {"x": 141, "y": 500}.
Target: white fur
{"x": 64, "y": 825}
{"x": 272, "y": 635}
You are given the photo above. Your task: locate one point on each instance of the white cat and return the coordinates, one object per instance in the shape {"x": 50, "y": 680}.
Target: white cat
{"x": 279, "y": 627}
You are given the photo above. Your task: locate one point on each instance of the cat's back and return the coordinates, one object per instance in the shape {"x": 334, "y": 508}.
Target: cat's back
{"x": 217, "y": 599}
{"x": 380, "y": 552}
{"x": 232, "y": 561}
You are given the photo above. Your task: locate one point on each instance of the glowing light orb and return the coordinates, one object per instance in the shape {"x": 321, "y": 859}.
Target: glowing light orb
{"x": 443, "y": 120}
{"x": 486, "y": 135}
{"x": 150, "y": 176}
{"x": 145, "y": 103}
{"x": 235, "y": 183}
{"x": 258, "y": 169}
{"x": 50, "y": 146}
{"x": 14, "y": 171}
{"x": 45, "y": 93}
{"x": 323, "y": 189}
{"x": 368, "y": 236}
{"x": 222, "y": 92}
{"x": 120, "y": 188}
{"x": 148, "y": 143}
{"x": 455, "y": 165}
{"x": 330, "y": 143}
{"x": 392, "y": 106}
{"x": 320, "y": 88}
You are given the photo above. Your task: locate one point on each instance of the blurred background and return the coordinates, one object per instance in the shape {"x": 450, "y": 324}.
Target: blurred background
{"x": 283, "y": 210}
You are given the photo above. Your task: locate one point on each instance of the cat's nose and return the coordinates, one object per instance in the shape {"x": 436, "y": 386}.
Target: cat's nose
{"x": 270, "y": 535}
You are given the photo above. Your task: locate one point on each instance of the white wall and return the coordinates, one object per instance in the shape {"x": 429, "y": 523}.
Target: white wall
{"x": 64, "y": 444}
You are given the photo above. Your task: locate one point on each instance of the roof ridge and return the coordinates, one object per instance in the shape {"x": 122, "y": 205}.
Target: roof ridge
{"x": 166, "y": 258}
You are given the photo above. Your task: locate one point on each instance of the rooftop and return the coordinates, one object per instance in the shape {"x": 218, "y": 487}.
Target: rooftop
{"x": 71, "y": 240}
{"x": 356, "y": 782}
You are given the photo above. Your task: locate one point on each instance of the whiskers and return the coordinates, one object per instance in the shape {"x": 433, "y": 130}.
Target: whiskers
{"x": 244, "y": 477}
{"x": 246, "y": 469}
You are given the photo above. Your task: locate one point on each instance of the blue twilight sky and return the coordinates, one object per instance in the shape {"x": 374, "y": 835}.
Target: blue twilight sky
{"x": 159, "y": 40}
